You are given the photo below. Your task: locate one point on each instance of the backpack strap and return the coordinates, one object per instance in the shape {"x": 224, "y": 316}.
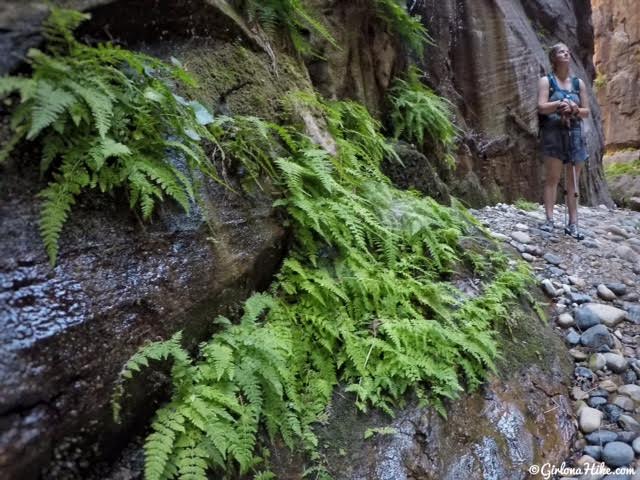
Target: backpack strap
{"x": 553, "y": 86}
{"x": 575, "y": 83}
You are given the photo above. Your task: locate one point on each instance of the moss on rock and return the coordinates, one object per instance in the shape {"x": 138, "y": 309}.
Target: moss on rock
{"x": 239, "y": 81}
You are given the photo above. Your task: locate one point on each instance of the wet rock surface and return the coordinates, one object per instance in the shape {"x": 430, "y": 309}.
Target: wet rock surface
{"x": 65, "y": 332}
{"x": 604, "y": 335}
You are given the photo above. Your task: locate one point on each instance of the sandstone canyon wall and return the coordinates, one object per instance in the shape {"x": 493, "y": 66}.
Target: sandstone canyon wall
{"x": 617, "y": 61}
{"x": 487, "y": 57}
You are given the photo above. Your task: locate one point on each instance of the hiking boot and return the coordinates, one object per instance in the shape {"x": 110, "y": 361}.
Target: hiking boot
{"x": 547, "y": 226}
{"x": 572, "y": 229}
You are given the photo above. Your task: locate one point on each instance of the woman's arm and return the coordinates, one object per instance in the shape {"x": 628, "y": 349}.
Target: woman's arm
{"x": 583, "y": 109}
{"x": 546, "y": 107}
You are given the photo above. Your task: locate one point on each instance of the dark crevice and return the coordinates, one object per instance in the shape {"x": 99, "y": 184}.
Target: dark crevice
{"x": 140, "y": 22}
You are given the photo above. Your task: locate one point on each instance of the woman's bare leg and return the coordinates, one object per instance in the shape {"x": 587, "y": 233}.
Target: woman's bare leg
{"x": 553, "y": 170}
{"x": 571, "y": 198}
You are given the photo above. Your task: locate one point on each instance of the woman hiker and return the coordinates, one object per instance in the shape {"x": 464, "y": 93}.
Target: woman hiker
{"x": 562, "y": 104}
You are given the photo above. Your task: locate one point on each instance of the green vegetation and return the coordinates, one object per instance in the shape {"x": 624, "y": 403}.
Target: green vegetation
{"x": 108, "y": 119}
{"x": 525, "y": 205}
{"x": 418, "y": 112}
{"x": 408, "y": 27}
{"x": 289, "y": 16}
{"x": 614, "y": 170}
{"x": 363, "y": 299}
{"x": 600, "y": 81}
{"x": 292, "y": 17}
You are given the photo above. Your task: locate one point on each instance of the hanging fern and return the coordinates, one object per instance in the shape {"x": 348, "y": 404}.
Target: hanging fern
{"x": 289, "y": 16}
{"x": 108, "y": 120}
{"x": 418, "y": 113}
{"x": 363, "y": 299}
{"x": 408, "y": 27}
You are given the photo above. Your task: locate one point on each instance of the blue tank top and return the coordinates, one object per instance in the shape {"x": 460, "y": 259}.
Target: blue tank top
{"x": 556, "y": 93}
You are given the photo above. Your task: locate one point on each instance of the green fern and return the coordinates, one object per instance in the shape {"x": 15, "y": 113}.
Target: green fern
{"x": 418, "y": 113}
{"x": 289, "y": 16}
{"x": 408, "y": 27}
{"x": 363, "y": 299}
{"x": 103, "y": 116}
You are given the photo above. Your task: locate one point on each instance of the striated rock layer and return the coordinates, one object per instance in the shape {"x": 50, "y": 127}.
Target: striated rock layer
{"x": 617, "y": 59}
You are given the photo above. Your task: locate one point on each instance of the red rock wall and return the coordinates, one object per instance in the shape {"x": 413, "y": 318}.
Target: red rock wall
{"x": 617, "y": 59}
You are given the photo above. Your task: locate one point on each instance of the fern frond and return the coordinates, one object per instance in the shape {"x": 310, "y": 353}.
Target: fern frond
{"x": 50, "y": 104}
{"x": 100, "y": 105}
{"x": 11, "y": 84}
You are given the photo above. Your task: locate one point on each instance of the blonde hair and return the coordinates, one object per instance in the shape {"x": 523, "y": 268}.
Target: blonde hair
{"x": 553, "y": 51}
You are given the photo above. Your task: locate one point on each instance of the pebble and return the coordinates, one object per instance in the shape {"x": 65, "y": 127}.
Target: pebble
{"x": 605, "y": 293}
{"x": 613, "y": 412}
{"x": 632, "y": 297}
{"x": 583, "y": 372}
{"x": 627, "y": 437}
{"x": 608, "y": 386}
{"x": 601, "y": 437}
{"x": 552, "y": 259}
{"x": 632, "y": 391}
{"x": 577, "y": 281}
{"x": 627, "y": 253}
{"x": 534, "y": 250}
{"x": 578, "y": 394}
{"x": 633, "y": 313}
{"x": 623, "y": 402}
{"x": 521, "y": 237}
{"x": 617, "y": 454}
{"x": 579, "y": 297}
{"x": 617, "y": 476}
{"x": 548, "y": 288}
{"x": 499, "y": 236}
{"x": 596, "y": 336}
{"x": 585, "y": 460}
{"x": 597, "y": 361}
{"x": 597, "y": 402}
{"x": 590, "y": 419}
{"x": 619, "y": 289}
{"x": 636, "y": 445}
{"x": 528, "y": 257}
{"x": 629, "y": 423}
{"x": 594, "y": 451}
{"x": 617, "y": 231}
{"x": 616, "y": 363}
{"x": 609, "y": 315}
{"x": 573, "y": 337}
{"x": 590, "y": 243}
{"x": 558, "y": 272}
{"x": 585, "y": 318}
{"x": 565, "y": 320}
{"x": 578, "y": 355}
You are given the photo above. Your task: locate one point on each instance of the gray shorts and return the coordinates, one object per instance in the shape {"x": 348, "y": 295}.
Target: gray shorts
{"x": 563, "y": 143}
